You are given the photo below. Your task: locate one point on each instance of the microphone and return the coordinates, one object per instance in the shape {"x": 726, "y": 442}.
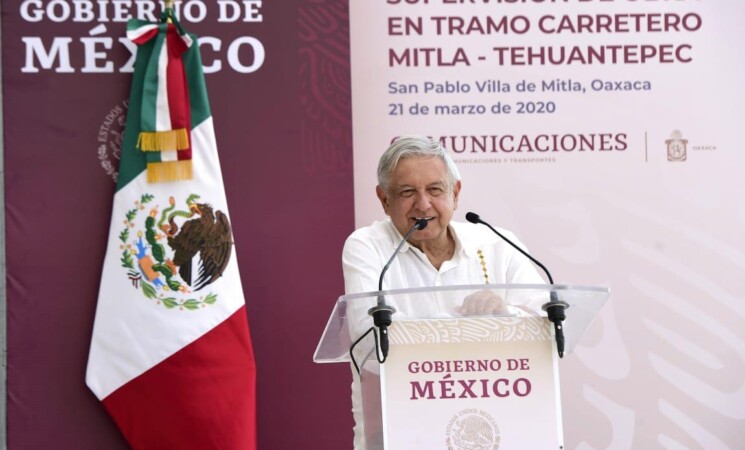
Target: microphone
{"x": 555, "y": 308}
{"x": 382, "y": 313}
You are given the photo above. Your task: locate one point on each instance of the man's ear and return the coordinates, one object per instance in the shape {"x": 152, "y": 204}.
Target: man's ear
{"x": 383, "y": 197}
{"x": 456, "y": 193}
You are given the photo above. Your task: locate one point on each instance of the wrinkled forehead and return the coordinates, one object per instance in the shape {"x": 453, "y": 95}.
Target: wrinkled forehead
{"x": 414, "y": 159}
{"x": 419, "y": 170}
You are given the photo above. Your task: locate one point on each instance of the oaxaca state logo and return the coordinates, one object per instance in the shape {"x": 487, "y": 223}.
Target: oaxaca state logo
{"x": 158, "y": 247}
{"x": 472, "y": 429}
{"x": 676, "y": 147}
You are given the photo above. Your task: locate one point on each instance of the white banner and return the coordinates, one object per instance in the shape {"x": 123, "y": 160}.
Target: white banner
{"x": 606, "y": 135}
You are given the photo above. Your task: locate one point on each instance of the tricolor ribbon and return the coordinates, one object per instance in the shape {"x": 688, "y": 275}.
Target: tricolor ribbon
{"x": 165, "y": 120}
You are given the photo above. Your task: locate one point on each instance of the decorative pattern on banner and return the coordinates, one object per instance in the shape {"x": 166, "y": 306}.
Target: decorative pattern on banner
{"x": 500, "y": 329}
{"x": 326, "y": 123}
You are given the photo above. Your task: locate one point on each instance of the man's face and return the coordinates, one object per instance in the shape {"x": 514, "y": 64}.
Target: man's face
{"x": 419, "y": 188}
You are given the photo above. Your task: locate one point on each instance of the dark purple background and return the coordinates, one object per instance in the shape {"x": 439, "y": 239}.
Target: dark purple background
{"x": 284, "y": 136}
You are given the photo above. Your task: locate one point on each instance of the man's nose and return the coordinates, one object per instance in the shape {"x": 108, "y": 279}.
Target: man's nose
{"x": 423, "y": 202}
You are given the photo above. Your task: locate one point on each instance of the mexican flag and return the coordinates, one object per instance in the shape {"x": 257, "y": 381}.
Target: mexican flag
{"x": 171, "y": 357}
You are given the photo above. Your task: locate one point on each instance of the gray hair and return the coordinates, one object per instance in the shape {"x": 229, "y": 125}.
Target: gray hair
{"x": 413, "y": 145}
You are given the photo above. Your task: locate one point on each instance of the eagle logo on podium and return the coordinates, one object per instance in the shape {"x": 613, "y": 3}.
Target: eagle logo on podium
{"x": 161, "y": 248}
{"x": 472, "y": 429}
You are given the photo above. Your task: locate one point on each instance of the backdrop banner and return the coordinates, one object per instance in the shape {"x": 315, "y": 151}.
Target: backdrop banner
{"x": 606, "y": 135}
{"x": 278, "y": 80}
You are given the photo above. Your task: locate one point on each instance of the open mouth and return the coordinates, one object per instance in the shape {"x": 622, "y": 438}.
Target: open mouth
{"x": 424, "y": 218}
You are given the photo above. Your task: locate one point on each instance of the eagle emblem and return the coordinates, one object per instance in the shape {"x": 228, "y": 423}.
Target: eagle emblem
{"x": 174, "y": 254}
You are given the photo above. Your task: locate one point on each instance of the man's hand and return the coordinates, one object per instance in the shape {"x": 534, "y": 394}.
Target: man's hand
{"x": 483, "y": 303}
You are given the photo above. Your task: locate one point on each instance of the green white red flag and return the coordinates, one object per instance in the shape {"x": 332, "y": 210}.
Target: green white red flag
{"x": 171, "y": 356}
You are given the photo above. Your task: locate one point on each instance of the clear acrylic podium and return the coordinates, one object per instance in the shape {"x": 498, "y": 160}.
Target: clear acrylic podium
{"x": 458, "y": 381}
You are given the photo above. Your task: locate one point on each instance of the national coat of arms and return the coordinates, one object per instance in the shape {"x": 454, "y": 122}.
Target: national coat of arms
{"x": 472, "y": 429}
{"x": 159, "y": 247}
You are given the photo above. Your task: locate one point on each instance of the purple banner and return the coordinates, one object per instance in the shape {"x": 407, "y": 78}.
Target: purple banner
{"x": 278, "y": 81}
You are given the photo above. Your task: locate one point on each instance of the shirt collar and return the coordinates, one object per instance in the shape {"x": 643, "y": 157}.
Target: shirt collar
{"x": 462, "y": 242}
{"x": 396, "y": 237}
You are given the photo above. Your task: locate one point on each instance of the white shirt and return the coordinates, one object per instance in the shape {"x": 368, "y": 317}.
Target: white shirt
{"x": 477, "y": 249}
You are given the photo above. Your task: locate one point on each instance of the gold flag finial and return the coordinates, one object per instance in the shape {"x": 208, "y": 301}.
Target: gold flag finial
{"x": 169, "y": 6}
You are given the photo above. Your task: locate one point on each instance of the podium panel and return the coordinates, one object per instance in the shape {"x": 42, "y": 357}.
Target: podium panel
{"x": 453, "y": 380}
{"x": 471, "y": 383}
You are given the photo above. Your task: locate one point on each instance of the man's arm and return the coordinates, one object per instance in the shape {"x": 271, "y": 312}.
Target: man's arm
{"x": 361, "y": 265}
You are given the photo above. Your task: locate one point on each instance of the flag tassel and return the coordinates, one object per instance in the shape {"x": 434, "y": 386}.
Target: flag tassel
{"x": 156, "y": 141}
{"x": 169, "y": 171}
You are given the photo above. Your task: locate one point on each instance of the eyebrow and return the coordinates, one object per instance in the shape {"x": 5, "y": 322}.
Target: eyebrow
{"x": 440, "y": 183}
{"x": 437, "y": 181}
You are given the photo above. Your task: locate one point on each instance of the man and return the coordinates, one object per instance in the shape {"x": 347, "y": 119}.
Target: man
{"x": 417, "y": 179}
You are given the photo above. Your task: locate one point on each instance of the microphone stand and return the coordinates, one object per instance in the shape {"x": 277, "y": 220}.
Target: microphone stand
{"x": 555, "y": 308}
{"x": 382, "y": 313}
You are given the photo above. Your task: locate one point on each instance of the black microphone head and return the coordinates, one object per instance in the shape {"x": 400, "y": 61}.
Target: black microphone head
{"x": 473, "y": 217}
{"x": 421, "y": 224}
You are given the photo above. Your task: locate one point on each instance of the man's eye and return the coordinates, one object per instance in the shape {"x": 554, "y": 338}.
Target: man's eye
{"x": 406, "y": 193}
{"x": 436, "y": 190}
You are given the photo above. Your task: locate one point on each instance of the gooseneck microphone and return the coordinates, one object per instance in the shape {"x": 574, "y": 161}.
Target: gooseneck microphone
{"x": 382, "y": 313}
{"x": 555, "y": 308}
